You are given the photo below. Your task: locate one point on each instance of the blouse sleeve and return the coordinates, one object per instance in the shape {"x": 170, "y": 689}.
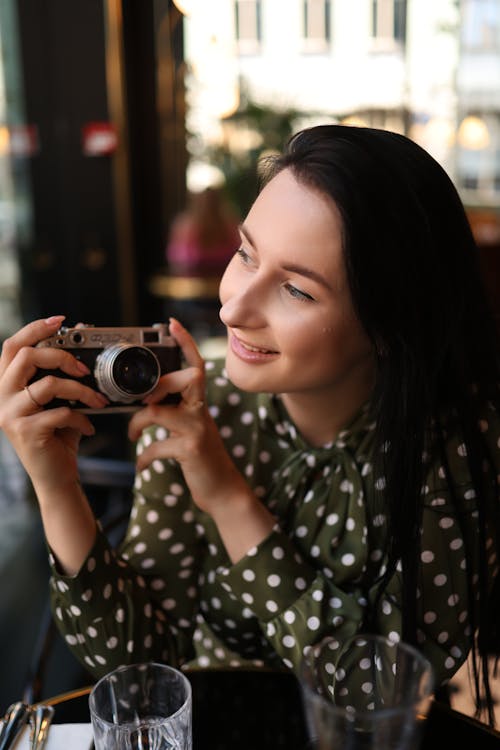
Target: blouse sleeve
{"x": 296, "y": 604}
{"x": 136, "y": 603}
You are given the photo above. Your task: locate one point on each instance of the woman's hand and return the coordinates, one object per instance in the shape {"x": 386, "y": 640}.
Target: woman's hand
{"x": 193, "y": 440}
{"x": 46, "y": 440}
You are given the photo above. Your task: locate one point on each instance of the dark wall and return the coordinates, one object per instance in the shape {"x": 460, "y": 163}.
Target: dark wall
{"x": 142, "y": 120}
{"x": 70, "y": 264}
{"x": 154, "y": 59}
{"x": 73, "y": 261}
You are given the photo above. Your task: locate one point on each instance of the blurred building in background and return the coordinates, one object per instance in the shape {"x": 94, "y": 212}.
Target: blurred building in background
{"x": 427, "y": 68}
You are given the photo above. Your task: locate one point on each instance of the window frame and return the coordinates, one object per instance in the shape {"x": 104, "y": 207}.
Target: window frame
{"x": 249, "y": 44}
{"x": 316, "y": 43}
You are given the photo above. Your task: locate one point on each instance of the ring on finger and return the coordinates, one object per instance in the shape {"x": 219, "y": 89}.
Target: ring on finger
{"x": 33, "y": 399}
{"x": 196, "y": 405}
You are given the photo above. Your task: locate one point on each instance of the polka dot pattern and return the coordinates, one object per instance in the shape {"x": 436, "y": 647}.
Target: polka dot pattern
{"x": 170, "y": 592}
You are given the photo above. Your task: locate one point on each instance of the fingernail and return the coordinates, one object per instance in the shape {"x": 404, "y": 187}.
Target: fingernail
{"x": 54, "y": 319}
{"x": 82, "y": 367}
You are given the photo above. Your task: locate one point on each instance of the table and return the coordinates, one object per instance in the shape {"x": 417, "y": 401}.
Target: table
{"x": 245, "y": 710}
{"x": 184, "y": 287}
{"x": 232, "y": 710}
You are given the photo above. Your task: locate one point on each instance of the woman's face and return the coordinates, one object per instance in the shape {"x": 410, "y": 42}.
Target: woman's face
{"x": 285, "y": 298}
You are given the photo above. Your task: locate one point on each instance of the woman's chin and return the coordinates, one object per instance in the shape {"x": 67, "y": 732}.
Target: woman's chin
{"x": 246, "y": 376}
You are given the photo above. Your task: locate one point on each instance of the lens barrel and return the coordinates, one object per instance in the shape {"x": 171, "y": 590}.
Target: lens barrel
{"x": 126, "y": 373}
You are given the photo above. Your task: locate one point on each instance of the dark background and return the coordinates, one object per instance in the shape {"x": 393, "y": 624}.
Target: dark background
{"x": 94, "y": 245}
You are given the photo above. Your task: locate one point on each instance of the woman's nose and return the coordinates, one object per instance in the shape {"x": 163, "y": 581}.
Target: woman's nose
{"x": 242, "y": 308}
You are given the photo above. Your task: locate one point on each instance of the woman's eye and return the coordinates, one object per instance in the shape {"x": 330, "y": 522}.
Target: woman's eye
{"x": 243, "y": 255}
{"x": 297, "y": 294}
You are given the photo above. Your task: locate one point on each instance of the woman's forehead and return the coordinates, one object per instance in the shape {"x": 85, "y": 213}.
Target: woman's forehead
{"x": 296, "y": 218}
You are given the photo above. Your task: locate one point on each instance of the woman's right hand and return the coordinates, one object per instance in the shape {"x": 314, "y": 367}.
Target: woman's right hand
{"x": 46, "y": 440}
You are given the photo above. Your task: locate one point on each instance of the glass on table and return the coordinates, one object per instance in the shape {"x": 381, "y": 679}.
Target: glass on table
{"x": 142, "y": 706}
{"x": 368, "y": 692}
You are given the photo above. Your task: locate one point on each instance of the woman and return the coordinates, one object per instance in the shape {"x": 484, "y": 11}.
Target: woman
{"x": 338, "y": 474}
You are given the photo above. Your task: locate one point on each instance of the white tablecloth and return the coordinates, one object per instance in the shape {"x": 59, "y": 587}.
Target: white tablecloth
{"x": 61, "y": 737}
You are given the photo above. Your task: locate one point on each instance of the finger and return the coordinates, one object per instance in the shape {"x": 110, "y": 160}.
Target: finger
{"x": 187, "y": 343}
{"x": 32, "y": 398}
{"x": 59, "y": 419}
{"x": 30, "y": 359}
{"x": 29, "y": 335}
{"x": 43, "y": 391}
{"x": 147, "y": 416}
{"x": 190, "y": 382}
{"x": 157, "y": 450}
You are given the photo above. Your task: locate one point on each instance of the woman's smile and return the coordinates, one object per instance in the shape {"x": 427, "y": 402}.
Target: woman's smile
{"x": 250, "y": 352}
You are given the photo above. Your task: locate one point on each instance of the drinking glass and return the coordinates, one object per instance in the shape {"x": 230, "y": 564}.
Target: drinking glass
{"x": 368, "y": 692}
{"x": 142, "y": 706}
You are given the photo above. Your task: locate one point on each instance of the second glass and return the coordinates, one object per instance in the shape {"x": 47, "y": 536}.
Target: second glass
{"x": 366, "y": 693}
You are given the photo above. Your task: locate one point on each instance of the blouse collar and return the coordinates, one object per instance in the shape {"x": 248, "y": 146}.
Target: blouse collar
{"x": 274, "y": 418}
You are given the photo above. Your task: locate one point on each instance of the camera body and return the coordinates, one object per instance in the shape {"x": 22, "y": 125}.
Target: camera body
{"x": 125, "y": 363}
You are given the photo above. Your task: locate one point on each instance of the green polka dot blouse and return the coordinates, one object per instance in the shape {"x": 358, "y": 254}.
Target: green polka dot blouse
{"x": 171, "y": 594}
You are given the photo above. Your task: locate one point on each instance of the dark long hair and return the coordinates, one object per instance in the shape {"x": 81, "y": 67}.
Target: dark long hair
{"x": 414, "y": 276}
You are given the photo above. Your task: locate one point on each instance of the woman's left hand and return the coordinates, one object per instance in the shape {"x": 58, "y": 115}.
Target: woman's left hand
{"x": 192, "y": 435}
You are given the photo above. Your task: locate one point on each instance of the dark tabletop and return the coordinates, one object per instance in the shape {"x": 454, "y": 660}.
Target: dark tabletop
{"x": 240, "y": 710}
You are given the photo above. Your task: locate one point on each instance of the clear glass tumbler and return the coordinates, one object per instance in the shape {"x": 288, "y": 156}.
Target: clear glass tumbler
{"x": 365, "y": 693}
{"x": 142, "y": 706}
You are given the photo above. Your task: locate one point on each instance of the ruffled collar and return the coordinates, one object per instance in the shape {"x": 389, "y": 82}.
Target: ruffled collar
{"x": 274, "y": 419}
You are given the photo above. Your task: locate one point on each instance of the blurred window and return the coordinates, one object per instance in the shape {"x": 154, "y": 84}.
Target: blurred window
{"x": 478, "y": 164}
{"x": 385, "y": 119}
{"x": 316, "y": 14}
{"x": 480, "y": 25}
{"x": 248, "y": 26}
{"x": 389, "y": 21}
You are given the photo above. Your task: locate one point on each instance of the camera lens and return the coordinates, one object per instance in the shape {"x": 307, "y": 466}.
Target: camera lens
{"x": 126, "y": 373}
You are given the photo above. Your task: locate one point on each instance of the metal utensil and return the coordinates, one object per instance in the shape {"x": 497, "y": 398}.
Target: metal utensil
{"x": 41, "y": 717}
{"x": 14, "y": 721}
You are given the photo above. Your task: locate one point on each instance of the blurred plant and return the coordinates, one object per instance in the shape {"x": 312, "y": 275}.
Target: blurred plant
{"x": 252, "y": 132}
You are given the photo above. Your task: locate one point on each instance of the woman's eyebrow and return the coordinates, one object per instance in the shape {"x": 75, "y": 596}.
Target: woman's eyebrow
{"x": 246, "y": 234}
{"x": 291, "y": 267}
{"x": 308, "y": 273}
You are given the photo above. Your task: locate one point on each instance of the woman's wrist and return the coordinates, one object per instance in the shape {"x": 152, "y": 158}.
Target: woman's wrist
{"x": 69, "y": 525}
{"x": 243, "y": 522}
{"x": 55, "y": 493}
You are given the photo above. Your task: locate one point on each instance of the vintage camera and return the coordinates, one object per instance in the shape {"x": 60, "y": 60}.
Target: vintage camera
{"x": 125, "y": 363}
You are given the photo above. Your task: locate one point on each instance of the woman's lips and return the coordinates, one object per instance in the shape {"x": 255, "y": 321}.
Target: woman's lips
{"x": 250, "y": 352}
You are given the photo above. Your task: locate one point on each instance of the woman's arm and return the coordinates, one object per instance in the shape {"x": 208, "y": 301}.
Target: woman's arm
{"x": 69, "y": 525}
{"x": 139, "y": 602}
{"x": 46, "y": 440}
{"x": 193, "y": 440}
